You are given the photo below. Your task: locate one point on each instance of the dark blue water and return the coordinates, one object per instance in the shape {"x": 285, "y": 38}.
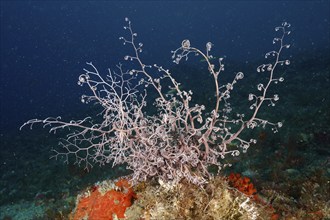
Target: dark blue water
{"x": 45, "y": 45}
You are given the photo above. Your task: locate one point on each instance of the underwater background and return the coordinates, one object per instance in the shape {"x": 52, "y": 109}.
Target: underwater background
{"x": 46, "y": 44}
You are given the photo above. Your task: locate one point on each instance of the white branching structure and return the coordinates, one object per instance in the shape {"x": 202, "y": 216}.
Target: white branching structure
{"x": 180, "y": 141}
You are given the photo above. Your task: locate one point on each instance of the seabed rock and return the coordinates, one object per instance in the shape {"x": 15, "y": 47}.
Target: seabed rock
{"x": 168, "y": 201}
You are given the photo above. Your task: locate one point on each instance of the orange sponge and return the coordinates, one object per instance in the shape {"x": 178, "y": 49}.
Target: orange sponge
{"x": 96, "y": 206}
{"x": 243, "y": 184}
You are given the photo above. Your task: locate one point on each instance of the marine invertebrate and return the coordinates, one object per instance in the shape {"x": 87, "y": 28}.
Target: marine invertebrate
{"x": 245, "y": 186}
{"x": 216, "y": 200}
{"x": 181, "y": 140}
{"x": 104, "y": 204}
{"x": 242, "y": 184}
